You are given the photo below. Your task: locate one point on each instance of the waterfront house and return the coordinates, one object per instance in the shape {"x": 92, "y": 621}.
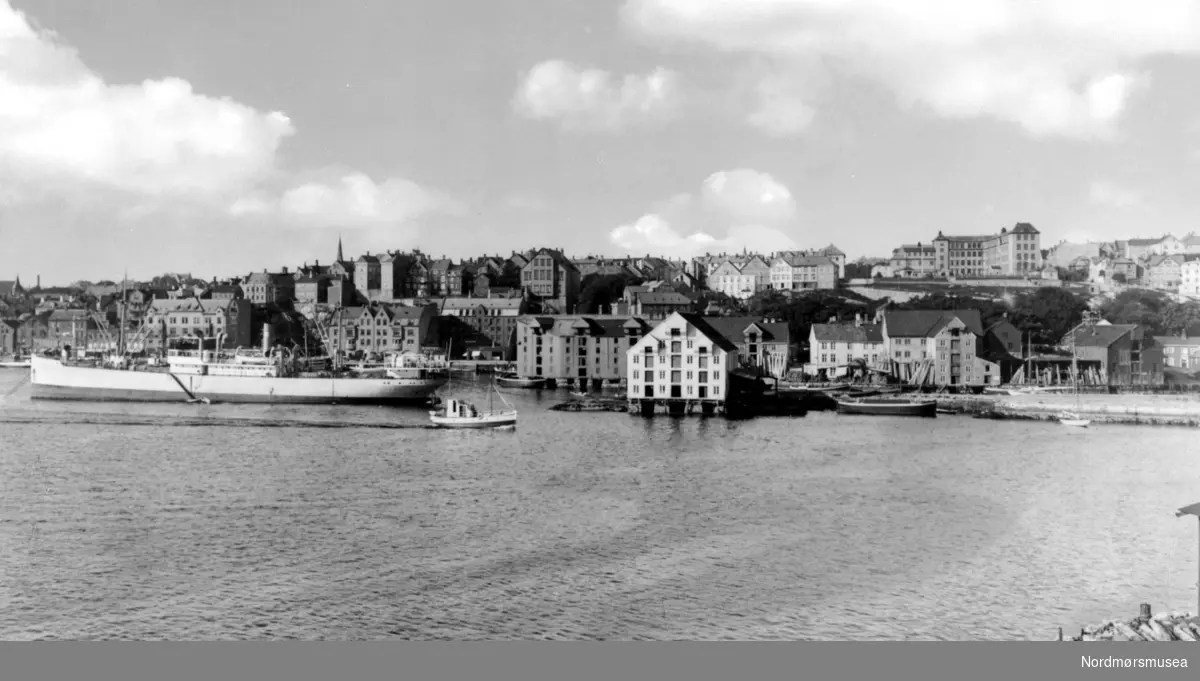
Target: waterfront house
{"x": 832, "y": 348}
{"x": 1003, "y": 345}
{"x": 76, "y": 328}
{"x": 937, "y": 347}
{"x": 1122, "y": 353}
{"x": 552, "y": 277}
{"x": 1180, "y": 352}
{"x": 484, "y": 322}
{"x": 188, "y": 317}
{"x": 762, "y": 344}
{"x": 792, "y": 272}
{"x": 584, "y": 350}
{"x": 682, "y": 359}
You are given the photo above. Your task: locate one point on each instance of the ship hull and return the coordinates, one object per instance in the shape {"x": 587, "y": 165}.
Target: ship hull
{"x": 888, "y": 408}
{"x": 52, "y": 380}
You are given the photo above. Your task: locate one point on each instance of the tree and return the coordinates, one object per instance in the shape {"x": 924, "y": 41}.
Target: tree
{"x": 1118, "y": 277}
{"x": 598, "y": 291}
{"x": 1138, "y": 306}
{"x": 510, "y": 277}
{"x": 1047, "y": 313}
{"x": 1178, "y": 317}
{"x": 990, "y": 310}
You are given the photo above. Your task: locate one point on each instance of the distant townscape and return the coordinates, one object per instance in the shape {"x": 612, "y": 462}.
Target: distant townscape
{"x": 958, "y": 312}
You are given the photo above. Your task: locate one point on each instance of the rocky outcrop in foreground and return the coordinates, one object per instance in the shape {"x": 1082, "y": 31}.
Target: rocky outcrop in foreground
{"x": 1146, "y": 627}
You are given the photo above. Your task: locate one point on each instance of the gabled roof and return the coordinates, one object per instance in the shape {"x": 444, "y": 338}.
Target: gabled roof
{"x": 1100, "y": 335}
{"x": 734, "y": 328}
{"x": 8, "y": 288}
{"x": 847, "y": 333}
{"x": 558, "y": 257}
{"x": 470, "y": 303}
{"x": 1145, "y": 242}
{"x": 368, "y": 259}
{"x": 1177, "y": 341}
{"x": 701, "y": 324}
{"x": 927, "y": 323}
{"x": 1023, "y": 228}
{"x": 804, "y": 260}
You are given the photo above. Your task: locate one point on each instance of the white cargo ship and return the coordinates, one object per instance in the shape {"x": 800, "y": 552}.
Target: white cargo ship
{"x": 243, "y": 377}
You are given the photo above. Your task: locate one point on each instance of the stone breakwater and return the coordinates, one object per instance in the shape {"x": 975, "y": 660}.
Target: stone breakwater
{"x": 1123, "y": 409}
{"x": 1146, "y": 627}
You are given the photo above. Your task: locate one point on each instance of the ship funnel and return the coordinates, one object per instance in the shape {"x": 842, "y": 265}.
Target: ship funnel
{"x": 267, "y": 337}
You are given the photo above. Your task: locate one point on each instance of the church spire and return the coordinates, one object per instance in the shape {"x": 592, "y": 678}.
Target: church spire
{"x": 340, "y": 258}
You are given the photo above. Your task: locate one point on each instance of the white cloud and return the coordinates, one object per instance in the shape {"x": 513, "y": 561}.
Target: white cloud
{"x": 59, "y": 120}
{"x": 593, "y": 99}
{"x": 747, "y": 205}
{"x": 748, "y": 195}
{"x": 352, "y": 200}
{"x": 1113, "y": 195}
{"x": 1063, "y": 67}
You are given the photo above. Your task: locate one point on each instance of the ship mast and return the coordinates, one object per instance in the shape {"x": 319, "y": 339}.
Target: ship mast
{"x": 124, "y": 308}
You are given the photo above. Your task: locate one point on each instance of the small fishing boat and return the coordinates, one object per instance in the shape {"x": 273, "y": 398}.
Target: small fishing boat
{"x": 514, "y": 380}
{"x": 943, "y": 410}
{"x": 456, "y": 412}
{"x": 883, "y": 406}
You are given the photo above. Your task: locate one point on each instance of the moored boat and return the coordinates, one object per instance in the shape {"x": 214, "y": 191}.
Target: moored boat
{"x": 512, "y": 380}
{"x": 882, "y": 406}
{"x": 1073, "y": 420}
{"x": 205, "y": 376}
{"x": 456, "y": 412}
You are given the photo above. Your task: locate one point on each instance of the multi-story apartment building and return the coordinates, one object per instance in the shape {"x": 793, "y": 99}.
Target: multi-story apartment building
{"x": 172, "y": 319}
{"x": 832, "y": 347}
{"x": 264, "y": 288}
{"x": 312, "y": 290}
{"x": 366, "y": 276}
{"x": 577, "y": 349}
{"x": 835, "y": 255}
{"x": 913, "y": 260}
{"x": 1189, "y": 278}
{"x": 551, "y": 276}
{"x": 740, "y": 279}
{"x": 803, "y": 273}
{"x": 484, "y": 322}
{"x": 937, "y": 347}
{"x": 381, "y": 328}
{"x": 1016, "y": 251}
{"x": 1165, "y": 272}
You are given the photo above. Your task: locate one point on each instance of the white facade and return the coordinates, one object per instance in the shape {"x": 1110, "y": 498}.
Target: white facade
{"x": 1190, "y": 278}
{"x": 677, "y": 360}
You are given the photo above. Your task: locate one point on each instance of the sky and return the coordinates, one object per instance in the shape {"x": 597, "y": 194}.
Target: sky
{"x": 223, "y": 137}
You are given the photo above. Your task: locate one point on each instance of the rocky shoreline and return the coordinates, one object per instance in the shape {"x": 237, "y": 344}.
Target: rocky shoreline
{"x": 1145, "y": 627}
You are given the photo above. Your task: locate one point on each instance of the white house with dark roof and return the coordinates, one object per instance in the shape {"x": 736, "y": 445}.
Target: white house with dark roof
{"x": 833, "y": 347}
{"x": 683, "y": 358}
{"x": 792, "y": 272}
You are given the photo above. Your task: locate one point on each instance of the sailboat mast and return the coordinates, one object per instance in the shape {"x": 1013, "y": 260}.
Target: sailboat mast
{"x": 124, "y": 308}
